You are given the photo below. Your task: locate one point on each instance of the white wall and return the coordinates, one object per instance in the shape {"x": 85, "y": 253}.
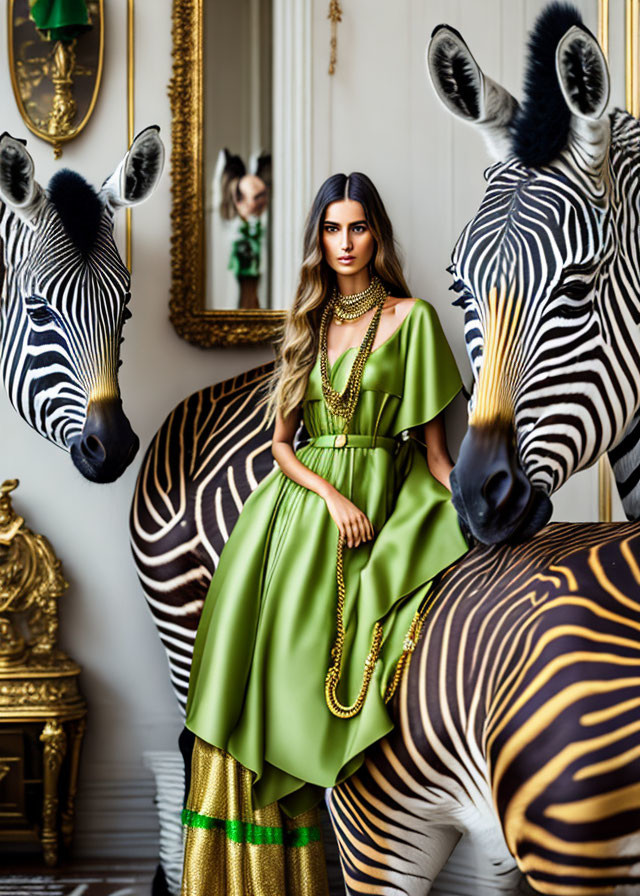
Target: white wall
{"x": 377, "y": 114}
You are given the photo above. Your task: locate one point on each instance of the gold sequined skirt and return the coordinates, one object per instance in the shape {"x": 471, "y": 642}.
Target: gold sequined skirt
{"x": 231, "y": 850}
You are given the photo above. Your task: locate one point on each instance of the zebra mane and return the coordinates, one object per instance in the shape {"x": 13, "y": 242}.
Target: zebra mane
{"x": 78, "y": 206}
{"x": 625, "y": 131}
{"x": 540, "y": 127}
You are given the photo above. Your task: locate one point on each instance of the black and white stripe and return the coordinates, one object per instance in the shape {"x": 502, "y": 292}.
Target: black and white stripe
{"x": 575, "y": 364}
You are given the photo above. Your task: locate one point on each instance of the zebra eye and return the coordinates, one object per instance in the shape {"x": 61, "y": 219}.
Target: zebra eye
{"x": 39, "y": 310}
{"x": 576, "y": 298}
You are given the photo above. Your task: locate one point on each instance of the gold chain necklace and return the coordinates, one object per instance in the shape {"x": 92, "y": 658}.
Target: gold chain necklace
{"x": 334, "y": 674}
{"x": 358, "y": 303}
{"x": 343, "y": 404}
{"x": 332, "y": 679}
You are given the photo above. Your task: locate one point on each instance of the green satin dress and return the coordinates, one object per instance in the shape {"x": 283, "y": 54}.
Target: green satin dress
{"x": 269, "y": 620}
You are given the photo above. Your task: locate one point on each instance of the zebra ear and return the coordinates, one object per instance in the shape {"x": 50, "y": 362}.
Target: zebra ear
{"x": 19, "y": 189}
{"x": 583, "y": 76}
{"x": 137, "y": 175}
{"x": 466, "y": 92}
{"x": 583, "y": 73}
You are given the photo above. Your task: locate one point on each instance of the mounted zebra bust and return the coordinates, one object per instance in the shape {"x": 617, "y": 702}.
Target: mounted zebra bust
{"x": 64, "y": 302}
{"x": 547, "y": 274}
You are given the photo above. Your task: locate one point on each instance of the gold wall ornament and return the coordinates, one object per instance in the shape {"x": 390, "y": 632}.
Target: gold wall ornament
{"x": 64, "y": 106}
{"x": 191, "y": 320}
{"x": 42, "y": 712}
{"x": 55, "y": 83}
{"x": 335, "y": 16}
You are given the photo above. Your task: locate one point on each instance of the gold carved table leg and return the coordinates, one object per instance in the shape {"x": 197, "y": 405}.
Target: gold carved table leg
{"x": 69, "y": 811}
{"x": 55, "y": 747}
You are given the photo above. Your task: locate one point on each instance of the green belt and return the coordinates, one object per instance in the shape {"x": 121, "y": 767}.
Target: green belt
{"x": 353, "y": 440}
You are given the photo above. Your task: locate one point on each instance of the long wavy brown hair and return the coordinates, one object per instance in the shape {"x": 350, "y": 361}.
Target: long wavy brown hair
{"x": 298, "y": 347}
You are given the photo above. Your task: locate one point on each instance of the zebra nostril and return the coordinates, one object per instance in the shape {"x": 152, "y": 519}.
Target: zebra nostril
{"x": 497, "y": 488}
{"x": 93, "y": 448}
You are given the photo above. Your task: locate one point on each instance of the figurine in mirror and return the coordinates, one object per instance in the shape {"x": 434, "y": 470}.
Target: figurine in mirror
{"x": 242, "y": 224}
{"x": 237, "y": 154}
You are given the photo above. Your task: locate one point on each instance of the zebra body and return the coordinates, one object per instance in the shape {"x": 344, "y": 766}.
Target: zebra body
{"x": 204, "y": 462}
{"x": 64, "y": 303}
{"x": 520, "y": 706}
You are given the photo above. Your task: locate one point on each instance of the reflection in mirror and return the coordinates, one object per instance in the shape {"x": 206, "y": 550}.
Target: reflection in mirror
{"x": 237, "y": 153}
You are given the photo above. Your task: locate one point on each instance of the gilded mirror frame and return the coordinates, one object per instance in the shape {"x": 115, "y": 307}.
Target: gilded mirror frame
{"x": 192, "y": 321}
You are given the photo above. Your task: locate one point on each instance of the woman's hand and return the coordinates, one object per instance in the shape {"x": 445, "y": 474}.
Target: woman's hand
{"x": 352, "y": 523}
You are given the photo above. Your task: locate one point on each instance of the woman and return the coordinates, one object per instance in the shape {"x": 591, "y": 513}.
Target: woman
{"x": 304, "y": 630}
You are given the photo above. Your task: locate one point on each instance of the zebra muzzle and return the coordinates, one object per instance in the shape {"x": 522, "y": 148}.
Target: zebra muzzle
{"x": 491, "y": 492}
{"x": 107, "y": 444}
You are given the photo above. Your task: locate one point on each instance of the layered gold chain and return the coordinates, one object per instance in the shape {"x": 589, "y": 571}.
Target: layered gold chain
{"x": 335, "y": 670}
{"x": 357, "y": 303}
{"x": 343, "y": 404}
{"x": 409, "y": 645}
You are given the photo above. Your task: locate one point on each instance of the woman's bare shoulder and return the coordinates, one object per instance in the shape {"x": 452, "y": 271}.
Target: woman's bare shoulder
{"x": 400, "y": 306}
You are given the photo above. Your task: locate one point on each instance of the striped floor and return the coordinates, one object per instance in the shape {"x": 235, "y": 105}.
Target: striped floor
{"x": 80, "y": 880}
{"x": 116, "y": 880}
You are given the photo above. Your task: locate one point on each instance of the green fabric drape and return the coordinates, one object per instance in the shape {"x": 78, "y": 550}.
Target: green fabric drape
{"x": 61, "y": 19}
{"x": 268, "y": 625}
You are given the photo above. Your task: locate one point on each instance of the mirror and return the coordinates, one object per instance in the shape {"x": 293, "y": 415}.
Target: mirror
{"x": 237, "y": 153}
{"x": 221, "y": 173}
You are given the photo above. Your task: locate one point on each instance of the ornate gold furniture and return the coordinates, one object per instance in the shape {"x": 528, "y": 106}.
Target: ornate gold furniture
{"x": 42, "y": 713}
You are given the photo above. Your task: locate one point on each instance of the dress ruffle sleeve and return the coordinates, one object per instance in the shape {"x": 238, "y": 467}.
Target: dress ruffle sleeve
{"x": 421, "y": 535}
{"x": 431, "y": 378}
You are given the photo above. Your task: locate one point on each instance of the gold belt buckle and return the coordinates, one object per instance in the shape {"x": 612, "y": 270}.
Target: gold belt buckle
{"x": 340, "y": 440}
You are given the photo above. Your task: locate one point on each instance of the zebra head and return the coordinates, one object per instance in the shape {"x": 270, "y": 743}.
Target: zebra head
{"x": 547, "y": 273}
{"x": 64, "y": 302}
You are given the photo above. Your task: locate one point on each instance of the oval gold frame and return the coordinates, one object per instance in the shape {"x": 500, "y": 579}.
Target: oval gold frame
{"x": 192, "y": 321}
{"x": 58, "y": 140}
